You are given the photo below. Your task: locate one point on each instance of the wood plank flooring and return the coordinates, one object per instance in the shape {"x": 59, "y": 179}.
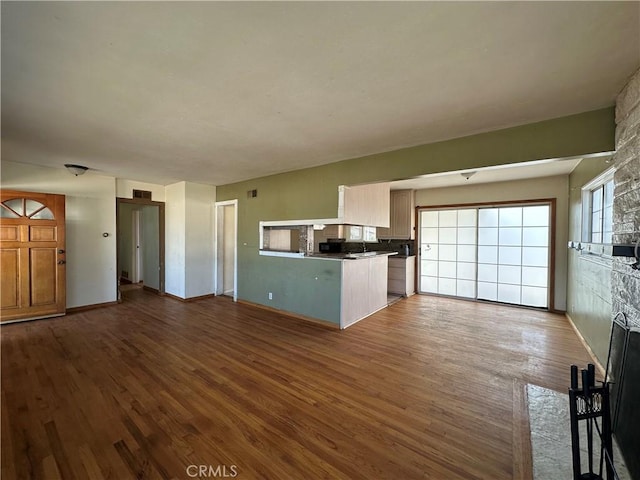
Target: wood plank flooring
{"x": 150, "y": 387}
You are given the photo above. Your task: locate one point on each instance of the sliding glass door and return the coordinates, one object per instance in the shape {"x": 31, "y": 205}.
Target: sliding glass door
{"x": 449, "y": 252}
{"x": 496, "y": 253}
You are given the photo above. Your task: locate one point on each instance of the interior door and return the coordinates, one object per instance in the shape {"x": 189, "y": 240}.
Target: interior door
{"x": 226, "y": 251}
{"x": 32, "y": 254}
{"x": 137, "y": 275}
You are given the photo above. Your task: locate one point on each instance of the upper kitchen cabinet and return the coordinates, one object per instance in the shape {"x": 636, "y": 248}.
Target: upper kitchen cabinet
{"x": 364, "y": 204}
{"x": 402, "y": 216}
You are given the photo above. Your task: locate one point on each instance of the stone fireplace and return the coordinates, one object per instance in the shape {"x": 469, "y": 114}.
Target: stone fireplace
{"x": 625, "y": 279}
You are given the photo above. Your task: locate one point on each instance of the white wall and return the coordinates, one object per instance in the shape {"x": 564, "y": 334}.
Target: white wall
{"x": 92, "y": 268}
{"x": 124, "y": 189}
{"x": 189, "y": 239}
{"x": 548, "y": 187}
{"x": 90, "y": 212}
{"x": 175, "y": 239}
{"x": 199, "y": 254}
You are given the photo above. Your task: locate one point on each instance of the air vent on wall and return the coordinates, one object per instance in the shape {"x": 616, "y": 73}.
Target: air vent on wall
{"x": 145, "y": 194}
{"x": 252, "y": 193}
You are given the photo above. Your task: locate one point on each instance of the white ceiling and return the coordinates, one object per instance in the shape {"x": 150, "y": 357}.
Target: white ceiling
{"x": 501, "y": 173}
{"x": 217, "y": 92}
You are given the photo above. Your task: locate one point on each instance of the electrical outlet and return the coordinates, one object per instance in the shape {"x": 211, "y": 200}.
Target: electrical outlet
{"x": 270, "y": 296}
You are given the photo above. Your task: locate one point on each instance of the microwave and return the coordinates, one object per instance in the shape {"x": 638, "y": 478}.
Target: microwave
{"x": 330, "y": 247}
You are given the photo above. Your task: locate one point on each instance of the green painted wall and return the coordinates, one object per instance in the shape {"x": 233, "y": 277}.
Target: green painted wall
{"x": 588, "y": 280}
{"x": 305, "y": 286}
{"x": 313, "y": 192}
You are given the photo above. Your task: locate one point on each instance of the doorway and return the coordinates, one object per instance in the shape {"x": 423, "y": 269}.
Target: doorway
{"x": 140, "y": 244}
{"x": 501, "y": 253}
{"x": 226, "y": 225}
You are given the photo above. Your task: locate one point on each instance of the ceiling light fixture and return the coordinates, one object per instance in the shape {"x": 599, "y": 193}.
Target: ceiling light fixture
{"x": 76, "y": 169}
{"x": 468, "y": 175}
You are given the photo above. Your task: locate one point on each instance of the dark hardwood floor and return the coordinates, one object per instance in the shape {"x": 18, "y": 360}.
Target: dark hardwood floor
{"x": 150, "y": 387}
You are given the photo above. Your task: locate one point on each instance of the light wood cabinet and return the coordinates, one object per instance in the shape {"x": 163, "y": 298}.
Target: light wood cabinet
{"x": 401, "y": 275}
{"x": 402, "y": 216}
{"x": 364, "y": 204}
{"x": 364, "y": 288}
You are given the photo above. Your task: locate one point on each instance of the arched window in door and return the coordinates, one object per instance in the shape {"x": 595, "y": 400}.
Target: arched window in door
{"x": 25, "y": 207}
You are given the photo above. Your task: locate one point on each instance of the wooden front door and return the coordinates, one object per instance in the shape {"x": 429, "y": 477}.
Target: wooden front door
{"x": 32, "y": 255}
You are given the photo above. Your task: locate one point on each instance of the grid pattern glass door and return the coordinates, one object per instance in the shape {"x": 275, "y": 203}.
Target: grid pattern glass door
{"x": 490, "y": 253}
{"x": 448, "y": 246}
{"x": 513, "y": 255}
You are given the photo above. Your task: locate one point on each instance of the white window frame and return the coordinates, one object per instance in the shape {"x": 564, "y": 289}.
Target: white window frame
{"x": 589, "y": 246}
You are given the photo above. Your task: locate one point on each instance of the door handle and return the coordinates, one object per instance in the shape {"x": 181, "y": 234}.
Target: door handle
{"x": 61, "y": 262}
{"x": 61, "y": 251}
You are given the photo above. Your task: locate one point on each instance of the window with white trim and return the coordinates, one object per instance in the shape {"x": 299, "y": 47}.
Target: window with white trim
{"x": 597, "y": 209}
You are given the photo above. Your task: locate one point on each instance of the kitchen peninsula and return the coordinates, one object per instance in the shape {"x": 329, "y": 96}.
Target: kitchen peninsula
{"x": 362, "y": 278}
{"x": 363, "y": 283}
{"x": 338, "y": 288}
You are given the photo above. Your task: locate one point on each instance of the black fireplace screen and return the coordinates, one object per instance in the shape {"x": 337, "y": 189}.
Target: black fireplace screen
{"x": 626, "y": 426}
{"x": 623, "y": 377}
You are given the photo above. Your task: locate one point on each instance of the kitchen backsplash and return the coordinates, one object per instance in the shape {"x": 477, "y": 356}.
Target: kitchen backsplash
{"x": 381, "y": 246}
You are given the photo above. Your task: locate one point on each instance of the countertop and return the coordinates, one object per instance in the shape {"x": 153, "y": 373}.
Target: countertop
{"x": 350, "y": 256}
{"x": 327, "y": 256}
